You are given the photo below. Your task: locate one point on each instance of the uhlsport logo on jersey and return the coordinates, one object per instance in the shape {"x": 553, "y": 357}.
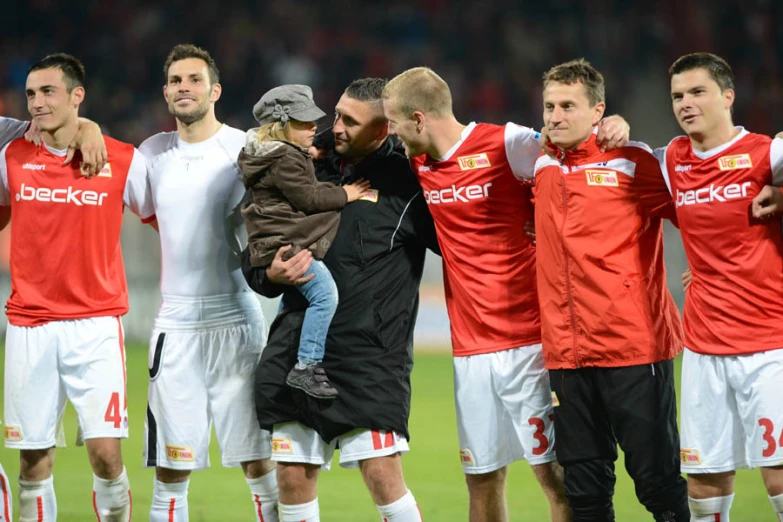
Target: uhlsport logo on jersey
{"x": 476, "y": 161}
{"x": 690, "y": 456}
{"x": 180, "y": 453}
{"x": 282, "y": 445}
{"x": 455, "y": 194}
{"x": 466, "y": 457}
{"x": 737, "y": 161}
{"x": 13, "y": 434}
{"x": 601, "y": 178}
{"x": 105, "y": 172}
{"x": 719, "y": 193}
{"x": 33, "y": 166}
{"x": 68, "y": 195}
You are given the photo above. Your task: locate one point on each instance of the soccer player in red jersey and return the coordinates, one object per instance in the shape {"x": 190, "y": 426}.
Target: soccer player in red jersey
{"x": 732, "y": 375}
{"x": 64, "y": 339}
{"x": 469, "y": 177}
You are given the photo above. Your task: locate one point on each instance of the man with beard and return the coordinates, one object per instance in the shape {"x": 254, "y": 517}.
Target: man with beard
{"x": 376, "y": 260}
{"x": 209, "y": 330}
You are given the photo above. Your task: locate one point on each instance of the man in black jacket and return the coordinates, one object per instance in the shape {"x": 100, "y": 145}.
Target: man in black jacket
{"x": 376, "y": 260}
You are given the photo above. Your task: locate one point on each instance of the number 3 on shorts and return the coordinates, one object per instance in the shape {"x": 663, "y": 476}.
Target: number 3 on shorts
{"x": 113, "y": 413}
{"x": 543, "y": 442}
{"x": 768, "y": 438}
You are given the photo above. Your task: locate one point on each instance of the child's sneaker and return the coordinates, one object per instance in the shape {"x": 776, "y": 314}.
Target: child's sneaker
{"x": 312, "y": 380}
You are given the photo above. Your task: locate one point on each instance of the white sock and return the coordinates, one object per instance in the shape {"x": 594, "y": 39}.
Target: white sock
{"x": 403, "y": 510}
{"x": 300, "y": 512}
{"x": 710, "y": 509}
{"x": 777, "y": 505}
{"x": 37, "y": 502}
{"x": 169, "y": 502}
{"x": 6, "y": 504}
{"x": 111, "y": 499}
{"x": 264, "y": 492}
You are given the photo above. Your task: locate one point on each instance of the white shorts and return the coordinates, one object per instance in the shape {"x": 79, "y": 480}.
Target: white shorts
{"x": 295, "y": 442}
{"x": 81, "y": 360}
{"x": 204, "y": 374}
{"x": 504, "y": 409}
{"x": 731, "y": 411}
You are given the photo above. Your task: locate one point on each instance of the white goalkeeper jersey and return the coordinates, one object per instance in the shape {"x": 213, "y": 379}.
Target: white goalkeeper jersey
{"x": 197, "y": 194}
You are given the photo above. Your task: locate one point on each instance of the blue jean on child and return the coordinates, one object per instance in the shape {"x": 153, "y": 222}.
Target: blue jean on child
{"x": 321, "y": 293}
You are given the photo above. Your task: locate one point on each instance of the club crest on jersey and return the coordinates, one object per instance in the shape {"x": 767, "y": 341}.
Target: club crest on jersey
{"x": 601, "y": 178}
{"x": 179, "y": 453}
{"x": 690, "y": 456}
{"x": 737, "y": 161}
{"x": 371, "y": 196}
{"x": 476, "y": 161}
{"x": 282, "y": 445}
{"x": 13, "y": 433}
{"x": 466, "y": 457}
{"x": 104, "y": 173}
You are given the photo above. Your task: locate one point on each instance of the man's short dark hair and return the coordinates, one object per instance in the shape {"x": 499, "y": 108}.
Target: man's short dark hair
{"x": 718, "y": 69}
{"x": 185, "y": 51}
{"x": 71, "y": 67}
{"x": 577, "y": 71}
{"x": 366, "y": 89}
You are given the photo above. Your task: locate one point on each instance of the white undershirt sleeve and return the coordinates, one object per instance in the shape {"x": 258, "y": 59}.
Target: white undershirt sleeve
{"x": 523, "y": 146}
{"x": 776, "y": 161}
{"x": 138, "y": 195}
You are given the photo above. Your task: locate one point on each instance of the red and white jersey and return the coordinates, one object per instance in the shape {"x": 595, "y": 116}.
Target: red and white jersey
{"x": 733, "y": 305}
{"x": 66, "y": 260}
{"x": 479, "y": 208}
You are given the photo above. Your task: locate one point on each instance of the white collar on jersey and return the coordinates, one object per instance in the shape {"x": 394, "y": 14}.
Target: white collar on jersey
{"x": 182, "y": 144}
{"x": 720, "y": 148}
{"x": 465, "y": 133}
{"x": 56, "y": 152}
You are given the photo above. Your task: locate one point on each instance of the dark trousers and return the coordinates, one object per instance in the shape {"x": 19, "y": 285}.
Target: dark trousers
{"x": 635, "y": 406}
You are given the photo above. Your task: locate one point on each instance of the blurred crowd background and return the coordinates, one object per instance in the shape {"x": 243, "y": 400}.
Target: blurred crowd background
{"x": 492, "y": 53}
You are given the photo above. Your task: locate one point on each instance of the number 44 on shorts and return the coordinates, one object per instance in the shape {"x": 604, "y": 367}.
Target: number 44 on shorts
{"x": 772, "y": 445}
{"x": 113, "y": 412}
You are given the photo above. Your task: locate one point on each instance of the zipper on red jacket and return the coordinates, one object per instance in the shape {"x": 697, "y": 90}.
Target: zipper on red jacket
{"x": 565, "y": 259}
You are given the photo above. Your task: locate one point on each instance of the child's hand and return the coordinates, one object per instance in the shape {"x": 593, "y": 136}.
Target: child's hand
{"x": 357, "y": 189}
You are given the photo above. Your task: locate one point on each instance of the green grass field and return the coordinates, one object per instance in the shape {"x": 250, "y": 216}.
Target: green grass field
{"x": 432, "y": 468}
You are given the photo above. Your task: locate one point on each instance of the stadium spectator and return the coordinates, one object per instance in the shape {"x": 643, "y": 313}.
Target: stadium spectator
{"x": 475, "y": 48}
{"x": 376, "y": 260}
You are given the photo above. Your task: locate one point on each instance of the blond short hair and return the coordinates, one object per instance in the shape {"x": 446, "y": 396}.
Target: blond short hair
{"x": 419, "y": 89}
{"x": 577, "y": 71}
{"x": 273, "y": 131}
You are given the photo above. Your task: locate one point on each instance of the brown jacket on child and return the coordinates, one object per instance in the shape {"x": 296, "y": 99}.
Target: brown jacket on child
{"x": 287, "y": 205}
